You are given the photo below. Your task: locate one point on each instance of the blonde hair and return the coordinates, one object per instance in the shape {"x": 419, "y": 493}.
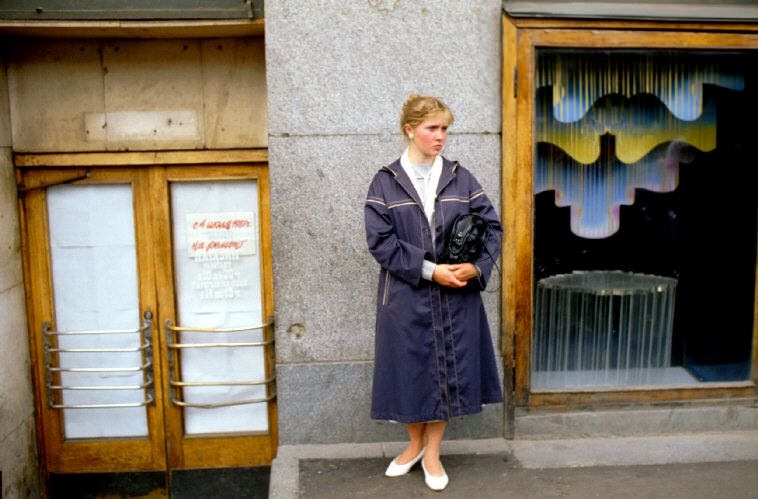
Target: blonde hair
{"x": 417, "y": 108}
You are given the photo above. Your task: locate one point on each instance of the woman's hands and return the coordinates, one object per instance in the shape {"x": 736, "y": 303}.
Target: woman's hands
{"x": 454, "y": 275}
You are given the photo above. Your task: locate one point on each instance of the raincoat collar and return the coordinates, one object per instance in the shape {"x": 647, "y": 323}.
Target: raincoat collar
{"x": 404, "y": 180}
{"x": 448, "y": 174}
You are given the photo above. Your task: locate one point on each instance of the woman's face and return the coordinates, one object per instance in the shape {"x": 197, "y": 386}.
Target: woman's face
{"x": 430, "y": 135}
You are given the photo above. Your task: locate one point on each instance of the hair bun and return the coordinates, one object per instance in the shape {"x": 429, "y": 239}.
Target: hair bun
{"x": 418, "y": 107}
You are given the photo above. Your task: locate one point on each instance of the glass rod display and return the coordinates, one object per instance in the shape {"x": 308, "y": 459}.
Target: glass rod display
{"x": 602, "y": 328}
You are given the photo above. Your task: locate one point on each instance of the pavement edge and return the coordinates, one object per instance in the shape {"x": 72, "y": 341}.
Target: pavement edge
{"x": 531, "y": 454}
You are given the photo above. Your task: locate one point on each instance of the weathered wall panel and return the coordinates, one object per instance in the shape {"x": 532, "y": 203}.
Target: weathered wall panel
{"x": 234, "y": 92}
{"x": 153, "y": 94}
{"x": 5, "y": 122}
{"x": 53, "y": 87}
{"x": 88, "y": 95}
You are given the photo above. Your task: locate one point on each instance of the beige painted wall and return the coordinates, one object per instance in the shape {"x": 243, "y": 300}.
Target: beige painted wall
{"x": 89, "y": 95}
{"x": 17, "y": 441}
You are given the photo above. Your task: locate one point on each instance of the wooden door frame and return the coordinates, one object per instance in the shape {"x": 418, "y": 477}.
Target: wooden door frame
{"x": 521, "y": 39}
{"x": 68, "y": 166}
{"x": 134, "y": 453}
{"x": 197, "y": 451}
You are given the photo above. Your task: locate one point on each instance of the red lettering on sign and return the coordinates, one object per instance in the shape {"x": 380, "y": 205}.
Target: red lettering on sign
{"x": 222, "y": 224}
{"x": 225, "y": 245}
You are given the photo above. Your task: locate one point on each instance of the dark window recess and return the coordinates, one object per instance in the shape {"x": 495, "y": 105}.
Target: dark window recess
{"x": 702, "y": 233}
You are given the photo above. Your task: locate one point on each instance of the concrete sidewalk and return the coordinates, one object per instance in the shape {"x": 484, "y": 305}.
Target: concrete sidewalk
{"x": 475, "y": 477}
{"x": 720, "y": 465}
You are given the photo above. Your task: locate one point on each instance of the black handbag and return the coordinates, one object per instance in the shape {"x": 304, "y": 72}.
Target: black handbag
{"x": 467, "y": 239}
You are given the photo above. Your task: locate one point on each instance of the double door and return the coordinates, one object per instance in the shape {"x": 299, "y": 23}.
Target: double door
{"x": 150, "y": 307}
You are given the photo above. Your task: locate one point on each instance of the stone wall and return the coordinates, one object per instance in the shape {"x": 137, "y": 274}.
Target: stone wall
{"x": 334, "y": 104}
{"x": 17, "y": 443}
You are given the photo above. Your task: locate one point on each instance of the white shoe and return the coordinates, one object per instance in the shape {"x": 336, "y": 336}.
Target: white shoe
{"x": 434, "y": 482}
{"x": 395, "y": 469}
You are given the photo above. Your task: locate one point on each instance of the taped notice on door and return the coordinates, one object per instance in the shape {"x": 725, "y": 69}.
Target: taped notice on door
{"x": 221, "y": 236}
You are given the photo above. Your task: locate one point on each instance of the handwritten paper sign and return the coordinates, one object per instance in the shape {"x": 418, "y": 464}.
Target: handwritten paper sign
{"x": 220, "y": 236}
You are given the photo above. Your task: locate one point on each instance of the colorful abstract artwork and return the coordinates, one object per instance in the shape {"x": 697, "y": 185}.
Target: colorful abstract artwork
{"x": 595, "y": 192}
{"x": 607, "y": 124}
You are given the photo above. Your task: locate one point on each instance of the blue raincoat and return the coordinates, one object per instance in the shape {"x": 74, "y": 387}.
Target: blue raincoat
{"x": 433, "y": 350}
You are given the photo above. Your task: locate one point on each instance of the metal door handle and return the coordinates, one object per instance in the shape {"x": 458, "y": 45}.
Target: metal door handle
{"x": 174, "y": 344}
{"x": 146, "y": 366}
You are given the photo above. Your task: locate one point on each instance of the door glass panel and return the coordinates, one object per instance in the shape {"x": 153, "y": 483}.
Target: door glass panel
{"x": 217, "y": 267}
{"x": 643, "y": 161}
{"x": 94, "y": 267}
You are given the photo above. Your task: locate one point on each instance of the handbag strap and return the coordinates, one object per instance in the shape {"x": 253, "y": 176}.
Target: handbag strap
{"x": 494, "y": 260}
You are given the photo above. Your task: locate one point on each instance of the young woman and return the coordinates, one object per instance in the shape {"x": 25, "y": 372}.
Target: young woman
{"x": 434, "y": 358}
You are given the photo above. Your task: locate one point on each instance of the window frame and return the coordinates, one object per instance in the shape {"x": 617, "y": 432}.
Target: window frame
{"x": 521, "y": 40}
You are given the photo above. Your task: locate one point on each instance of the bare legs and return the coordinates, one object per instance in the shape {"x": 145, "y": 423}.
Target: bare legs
{"x": 416, "y": 434}
{"x": 434, "y": 433}
{"x": 431, "y": 435}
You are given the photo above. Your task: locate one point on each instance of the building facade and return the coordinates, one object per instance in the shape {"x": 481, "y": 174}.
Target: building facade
{"x": 194, "y": 181}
